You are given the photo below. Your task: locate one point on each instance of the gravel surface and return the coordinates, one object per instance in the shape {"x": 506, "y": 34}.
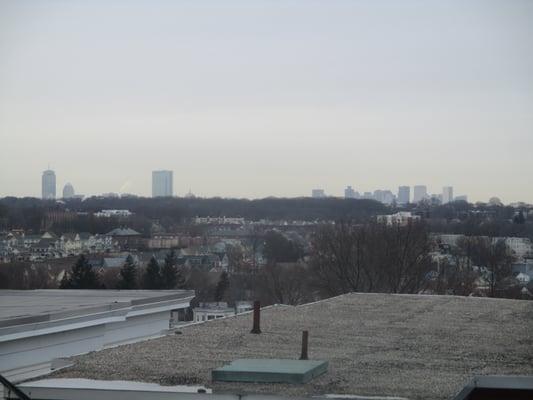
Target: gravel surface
{"x": 419, "y": 347}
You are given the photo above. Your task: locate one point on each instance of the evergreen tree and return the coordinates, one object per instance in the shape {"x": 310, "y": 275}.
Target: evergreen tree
{"x": 152, "y": 275}
{"x": 181, "y": 282}
{"x": 128, "y": 275}
{"x": 81, "y": 276}
{"x": 169, "y": 272}
{"x": 222, "y": 286}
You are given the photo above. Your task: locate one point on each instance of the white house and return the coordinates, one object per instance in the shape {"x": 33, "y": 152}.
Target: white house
{"x": 209, "y": 311}
{"x": 400, "y": 218}
{"x": 70, "y": 243}
{"x": 521, "y": 247}
{"x": 113, "y": 213}
{"x": 215, "y": 310}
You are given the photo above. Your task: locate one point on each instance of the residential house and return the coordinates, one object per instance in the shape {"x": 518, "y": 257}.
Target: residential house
{"x": 400, "y": 218}
{"x": 45, "y": 249}
{"x": 126, "y": 238}
{"x": 521, "y": 247}
{"x": 214, "y": 310}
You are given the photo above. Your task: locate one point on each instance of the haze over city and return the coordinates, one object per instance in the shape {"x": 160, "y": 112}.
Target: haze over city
{"x": 255, "y": 99}
{"x": 266, "y": 199}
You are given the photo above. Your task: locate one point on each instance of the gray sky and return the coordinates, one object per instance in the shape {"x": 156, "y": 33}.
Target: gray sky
{"x": 258, "y": 98}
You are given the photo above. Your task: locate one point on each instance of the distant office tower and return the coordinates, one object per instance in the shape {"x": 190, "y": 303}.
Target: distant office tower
{"x": 447, "y": 194}
{"x": 463, "y": 197}
{"x": 318, "y": 193}
{"x": 404, "y": 194}
{"x": 48, "y": 185}
{"x": 68, "y": 191}
{"x": 420, "y": 193}
{"x": 378, "y": 195}
{"x": 162, "y": 184}
{"x": 388, "y": 197}
{"x": 349, "y": 193}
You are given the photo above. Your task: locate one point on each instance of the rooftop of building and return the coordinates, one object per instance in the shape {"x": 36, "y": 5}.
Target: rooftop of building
{"x": 413, "y": 346}
{"x": 25, "y": 307}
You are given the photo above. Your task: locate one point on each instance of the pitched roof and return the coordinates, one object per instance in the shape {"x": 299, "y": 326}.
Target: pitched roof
{"x": 123, "y": 232}
{"x": 69, "y": 236}
{"x": 49, "y": 235}
{"x": 420, "y": 347}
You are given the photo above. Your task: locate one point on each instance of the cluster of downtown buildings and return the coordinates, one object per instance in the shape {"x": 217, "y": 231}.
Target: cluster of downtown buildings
{"x": 162, "y": 186}
{"x": 420, "y": 193}
{"x": 48, "y": 187}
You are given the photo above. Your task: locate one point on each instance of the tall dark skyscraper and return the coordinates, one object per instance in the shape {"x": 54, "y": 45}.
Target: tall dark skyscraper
{"x": 48, "y": 185}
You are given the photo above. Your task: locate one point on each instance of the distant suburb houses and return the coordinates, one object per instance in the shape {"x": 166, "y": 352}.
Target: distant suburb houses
{"x": 18, "y": 246}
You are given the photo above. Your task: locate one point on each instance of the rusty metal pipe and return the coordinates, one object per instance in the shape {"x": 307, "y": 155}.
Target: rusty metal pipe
{"x": 257, "y": 317}
{"x": 305, "y": 345}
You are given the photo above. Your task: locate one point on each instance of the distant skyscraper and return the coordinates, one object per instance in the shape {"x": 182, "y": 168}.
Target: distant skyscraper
{"x": 463, "y": 197}
{"x": 388, "y": 197}
{"x": 378, "y": 195}
{"x": 318, "y": 193}
{"x": 68, "y": 191}
{"x": 447, "y": 194}
{"x": 349, "y": 193}
{"x": 404, "y": 194}
{"x": 162, "y": 184}
{"x": 420, "y": 192}
{"x": 48, "y": 185}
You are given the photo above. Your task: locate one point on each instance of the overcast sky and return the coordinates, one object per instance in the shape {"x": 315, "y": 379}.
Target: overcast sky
{"x": 259, "y": 98}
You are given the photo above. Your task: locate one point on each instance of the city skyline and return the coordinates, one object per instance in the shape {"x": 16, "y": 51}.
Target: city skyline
{"x": 340, "y": 93}
{"x": 162, "y": 185}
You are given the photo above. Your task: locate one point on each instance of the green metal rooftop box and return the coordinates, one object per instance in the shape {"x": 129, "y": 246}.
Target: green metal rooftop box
{"x": 270, "y": 371}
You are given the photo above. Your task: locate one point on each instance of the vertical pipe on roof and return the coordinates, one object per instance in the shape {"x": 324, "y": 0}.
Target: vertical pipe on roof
{"x": 305, "y": 343}
{"x": 257, "y": 317}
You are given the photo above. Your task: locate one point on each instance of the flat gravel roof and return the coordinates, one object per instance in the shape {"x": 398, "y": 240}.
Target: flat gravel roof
{"x": 418, "y": 347}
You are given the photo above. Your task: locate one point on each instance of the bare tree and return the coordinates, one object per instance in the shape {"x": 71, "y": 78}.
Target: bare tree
{"x": 340, "y": 262}
{"x": 236, "y": 262}
{"x": 284, "y": 284}
{"x": 403, "y": 257}
{"x": 371, "y": 257}
{"x": 499, "y": 265}
{"x": 459, "y": 276}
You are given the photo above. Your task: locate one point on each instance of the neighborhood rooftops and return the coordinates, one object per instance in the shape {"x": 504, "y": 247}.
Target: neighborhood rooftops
{"x": 418, "y": 347}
